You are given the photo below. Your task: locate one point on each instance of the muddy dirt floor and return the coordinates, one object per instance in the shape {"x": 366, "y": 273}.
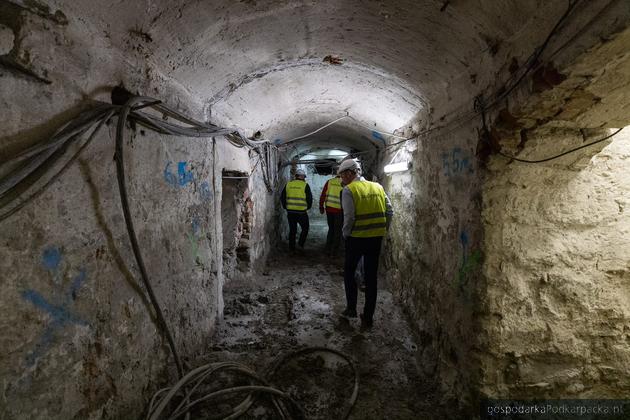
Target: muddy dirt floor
{"x": 296, "y": 303}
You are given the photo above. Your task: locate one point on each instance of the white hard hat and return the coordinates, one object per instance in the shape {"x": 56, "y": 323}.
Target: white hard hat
{"x": 300, "y": 172}
{"x": 349, "y": 164}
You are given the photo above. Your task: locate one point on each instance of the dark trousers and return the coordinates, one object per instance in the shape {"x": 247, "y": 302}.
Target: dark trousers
{"x": 369, "y": 249}
{"x": 296, "y": 218}
{"x": 335, "y": 222}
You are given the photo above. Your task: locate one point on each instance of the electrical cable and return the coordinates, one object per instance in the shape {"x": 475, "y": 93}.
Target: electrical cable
{"x": 317, "y": 130}
{"x": 190, "y": 393}
{"x": 561, "y": 154}
{"x": 120, "y": 175}
{"x": 36, "y": 161}
{"x": 387, "y": 133}
{"x": 581, "y": 31}
{"x": 533, "y": 60}
{"x": 532, "y": 65}
{"x": 40, "y": 155}
{"x": 336, "y": 121}
{"x": 486, "y": 137}
{"x": 66, "y": 131}
{"x": 56, "y": 176}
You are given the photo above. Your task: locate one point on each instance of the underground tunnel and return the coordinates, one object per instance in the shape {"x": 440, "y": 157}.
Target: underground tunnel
{"x": 145, "y": 264}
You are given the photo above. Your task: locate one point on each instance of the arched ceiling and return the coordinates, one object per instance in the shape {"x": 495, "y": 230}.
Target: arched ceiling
{"x": 285, "y": 67}
{"x": 292, "y": 100}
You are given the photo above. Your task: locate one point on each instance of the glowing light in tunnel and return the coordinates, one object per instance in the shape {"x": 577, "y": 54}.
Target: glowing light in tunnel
{"x": 396, "y": 167}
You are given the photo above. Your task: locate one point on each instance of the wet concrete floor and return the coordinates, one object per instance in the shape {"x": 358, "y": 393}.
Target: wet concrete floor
{"x": 295, "y": 303}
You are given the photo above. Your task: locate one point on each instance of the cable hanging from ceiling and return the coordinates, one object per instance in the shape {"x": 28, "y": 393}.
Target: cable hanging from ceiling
{"x": 22, "y": 172}
{"x": 493, "y": 147}
{"x": 29, "y": 166}
{"x": 40, "y": 161}
{"x": 335, "y": 121}
{"x": 532, "y": 64}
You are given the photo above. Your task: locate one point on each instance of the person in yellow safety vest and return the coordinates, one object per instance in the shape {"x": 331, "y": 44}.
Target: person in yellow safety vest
{"x": 297, "y": 199}
{"x": 330, "y": 202}
{"x": 367, "y": 212}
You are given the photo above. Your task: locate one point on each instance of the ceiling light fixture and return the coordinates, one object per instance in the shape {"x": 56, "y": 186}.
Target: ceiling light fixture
{"x": 396, "y": 167}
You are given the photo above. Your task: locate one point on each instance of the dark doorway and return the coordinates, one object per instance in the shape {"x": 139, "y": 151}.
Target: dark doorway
{"x": 235, "y": 218}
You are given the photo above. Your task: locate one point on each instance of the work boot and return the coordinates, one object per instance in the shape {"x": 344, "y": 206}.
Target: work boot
{"x": 349, "y": 313}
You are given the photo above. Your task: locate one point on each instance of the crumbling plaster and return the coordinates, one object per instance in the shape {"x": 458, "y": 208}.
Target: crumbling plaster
{"x": 590, "y": 93}
{"x": 437, "y": 232}
{"x": 78, "y": 336}
{"x": 433, "y": 255}
{"x": 199, "y": 57}
{"x": 556, "y": 240}
{"x": 79, "y": 326}
{"x": 555, "y": 235}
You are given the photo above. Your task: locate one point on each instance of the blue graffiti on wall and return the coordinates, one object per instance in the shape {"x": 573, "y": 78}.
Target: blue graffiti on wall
{"x": 378, "y": 136}
{"x": 457, "y": 162}
{"x": 195, "y": 237}
{"x": 60, "y": 314}
{"x": 51, "y": 258}
{"x": 183, "y": 176}
{"x": 204, "y": 191}
{"x": 196, "y": 225}
{"x": 463, "y": 239}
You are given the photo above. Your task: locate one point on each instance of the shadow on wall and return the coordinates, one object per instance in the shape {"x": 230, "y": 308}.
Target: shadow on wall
{"x": 111, "y": 243}
{"x": 15, "y": 143}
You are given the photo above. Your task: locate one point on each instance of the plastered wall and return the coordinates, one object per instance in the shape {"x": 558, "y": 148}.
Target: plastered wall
{"x": 79, "y": 339}
{"x": 433, "y": 254}
{"x": 557, "y": 241}
{"x": 77, "y": 327}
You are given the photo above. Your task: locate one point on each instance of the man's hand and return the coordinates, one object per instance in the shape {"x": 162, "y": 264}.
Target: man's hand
{"x": 321, "y": 210}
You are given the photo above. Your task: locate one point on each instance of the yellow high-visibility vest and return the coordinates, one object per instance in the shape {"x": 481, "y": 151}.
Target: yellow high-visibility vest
{"x": 296, "y": 195}
{"x": 369, "y": 209}
{"x": 333, "y": 193}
